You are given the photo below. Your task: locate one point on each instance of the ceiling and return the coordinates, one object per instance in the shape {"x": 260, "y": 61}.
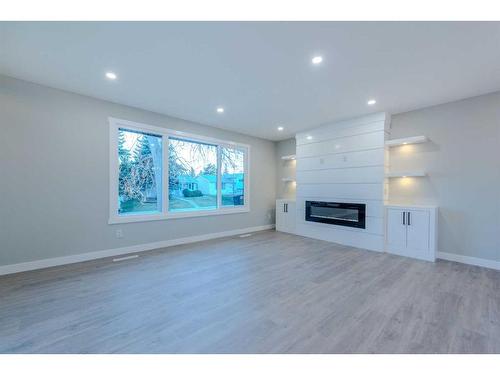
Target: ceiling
{"x": 260, "y": 72}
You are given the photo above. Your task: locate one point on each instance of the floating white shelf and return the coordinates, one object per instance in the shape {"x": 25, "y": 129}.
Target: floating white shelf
{"x": 406, "y": 141}
{"x": 288, "y": 179}
{"x": 288, "y": 157}
{"x": 405, "y": 174}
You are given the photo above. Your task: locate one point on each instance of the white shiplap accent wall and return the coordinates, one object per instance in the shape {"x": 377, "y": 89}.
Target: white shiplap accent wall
{"x": 344, "y": 162}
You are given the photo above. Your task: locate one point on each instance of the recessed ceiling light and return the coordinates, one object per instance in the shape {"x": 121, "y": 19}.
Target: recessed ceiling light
{"x": 280, "y": 128}
{"x": 220, "y": 110}
{"x": 309, "y": 137}
{"x": 371, "y": 102}
{"x": 317, "y": 60}
{"x": 111, "y": 75}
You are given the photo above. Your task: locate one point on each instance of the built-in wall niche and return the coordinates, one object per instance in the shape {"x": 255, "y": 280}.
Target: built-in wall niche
{"x": 289, "y": 159}
{"x": 402, "y": 142}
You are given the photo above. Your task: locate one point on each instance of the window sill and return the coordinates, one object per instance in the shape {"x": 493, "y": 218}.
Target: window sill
{"x": 176, "y": 215}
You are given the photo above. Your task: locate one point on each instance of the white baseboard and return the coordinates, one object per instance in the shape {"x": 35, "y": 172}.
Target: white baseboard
{"x": 59, "y": 261}
{"x": 493, "y": 264}
{"x": 51, "y": 262}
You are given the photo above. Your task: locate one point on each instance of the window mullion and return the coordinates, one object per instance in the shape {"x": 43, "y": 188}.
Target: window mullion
{"x": 219, "y": 177}
{"x": 114, "y": 172}
{"x": 165, "y": 188}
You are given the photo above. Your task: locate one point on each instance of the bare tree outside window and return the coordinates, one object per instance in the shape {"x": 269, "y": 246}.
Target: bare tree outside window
{"x": 140, "y": 171}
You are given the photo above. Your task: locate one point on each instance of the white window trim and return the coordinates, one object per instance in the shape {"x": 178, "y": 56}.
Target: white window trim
{"x": 115, "y": 218}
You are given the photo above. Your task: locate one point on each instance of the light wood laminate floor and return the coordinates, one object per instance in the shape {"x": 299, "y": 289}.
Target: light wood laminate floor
{"x": 268, "y": 293}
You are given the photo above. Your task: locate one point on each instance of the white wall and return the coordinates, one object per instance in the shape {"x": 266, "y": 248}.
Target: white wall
{"x": 463, "y": 164}
{"x": 54, "y": 171}
{"x": 344, "y": 162}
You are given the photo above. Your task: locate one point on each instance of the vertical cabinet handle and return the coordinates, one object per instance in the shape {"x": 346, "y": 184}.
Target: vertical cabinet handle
{"x": 404, "y": 214}
{"x": 409, "y": 220}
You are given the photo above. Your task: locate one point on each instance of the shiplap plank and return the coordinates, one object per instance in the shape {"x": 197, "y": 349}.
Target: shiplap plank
{"x": 350, "y": 125}
{"x": 344, "y": 175}
{"x": 326, "y": 133}
{"x": 354, "y": 159}
{"x": 354, "y": 143}
{"x": 345, "y": 191}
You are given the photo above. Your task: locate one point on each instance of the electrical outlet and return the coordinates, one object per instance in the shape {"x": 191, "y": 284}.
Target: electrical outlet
{"x": 119, "y": 233}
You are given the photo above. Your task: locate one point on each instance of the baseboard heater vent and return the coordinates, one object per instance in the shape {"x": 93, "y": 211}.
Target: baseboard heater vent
{"x": 125, "y": 258}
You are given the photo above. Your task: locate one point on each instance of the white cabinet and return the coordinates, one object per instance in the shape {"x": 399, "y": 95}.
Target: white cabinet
{"x": 411, "y": 231}
{"x": 285, "y": 215}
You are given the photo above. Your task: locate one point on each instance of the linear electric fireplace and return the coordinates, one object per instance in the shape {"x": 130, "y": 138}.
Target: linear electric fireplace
{"x": 346, "y": 214}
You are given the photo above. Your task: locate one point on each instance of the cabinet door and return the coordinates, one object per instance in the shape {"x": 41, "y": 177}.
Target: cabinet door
{"x": 280, "y": 216}
{"x": 418, "y": 232}
{"x": 396, "y": 231}
{"x": 291, "y": 217}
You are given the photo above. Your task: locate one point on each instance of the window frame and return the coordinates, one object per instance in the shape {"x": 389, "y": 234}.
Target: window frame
{"x": 115, "y": 218}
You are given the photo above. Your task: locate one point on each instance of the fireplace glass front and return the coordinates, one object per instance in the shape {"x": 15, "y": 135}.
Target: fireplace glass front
{"x": 345, "y": 214}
